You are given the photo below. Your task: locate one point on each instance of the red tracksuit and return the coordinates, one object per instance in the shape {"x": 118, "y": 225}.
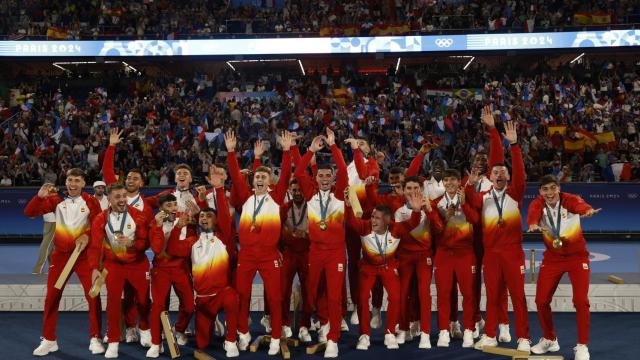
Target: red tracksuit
{"x": 503, "y": 262}
{"x": 169, "y": 271}
{"x": 358, "y": 171}
{"x": 415, "y": 258}
{"x": 327, "y": 250}
{"x": 379, "y": 263}
{"x": 259, "y": 233}
{"x": 455, "y": 260}
{"x": 295, "y": 254}
{"x": 73, "y": 219}
{"x": 209, "y": 266}
{"x": 571, "y": 258}
{"x": 125, "y": 264}
{"x": 140, "y": 203}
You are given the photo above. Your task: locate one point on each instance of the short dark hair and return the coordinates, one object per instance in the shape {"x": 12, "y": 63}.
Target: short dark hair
{"x": 499, "y": 164}
{"x": 115, "y": 186}
{"x": 76, "y": 172}
{"x": 325, "y": 167}
{"x": 451, "y": 173}
{"x": 396, "y": 170}
{"x": 183, "y": 166}
{"x": 137, "y": 171}
{"x": 409, "y": 179}
{"x": 166, "y": 198}
{"x": 208, "y": 210}
{"x": 383, "y": 209}
{"x": 548, "y": 179}
{"x": 293, "y": 181}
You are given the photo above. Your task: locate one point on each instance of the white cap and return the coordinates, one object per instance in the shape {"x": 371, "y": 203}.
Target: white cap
{"x": 99, "y": 183}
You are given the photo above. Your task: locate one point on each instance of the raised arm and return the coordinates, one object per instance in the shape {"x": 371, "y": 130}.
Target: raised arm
{"x": 224, "y": 222}
{"x": 285, "y": 169}
{"x": 496, "y": 152}
{"x": 518, "y": 185}
{"x": 109, "y": 157}
{"x": 404, "y": 227}
{"x": 239, "y": 184}
{"x": 42, "y": 203}
{"x": 342, "y": 178}
{"x": 306, "y": 183}
{"x": 360, "y": 226}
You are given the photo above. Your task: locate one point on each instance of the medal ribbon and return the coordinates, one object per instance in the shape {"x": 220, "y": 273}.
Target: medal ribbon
{"x": 295, "y": 222}
{"x": 258, "y": 207}
{"x": 499, "y": 205}
{"x": 324, "y": 208}
{"x": 122, "y": 222}
{"x": 381, "y": 250}
{"x": 555, "y": 228}
{"x": 135, "y": 201}
{"x": 446, "y": 197}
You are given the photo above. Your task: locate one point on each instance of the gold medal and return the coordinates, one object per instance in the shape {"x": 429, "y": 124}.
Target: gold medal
{"x": 557, "y": 243}
{"x": 323, "y": 225}
{"x": 118, "y": 234}
{"x": 253, "y": 228}
{"x": 500, "y": 222}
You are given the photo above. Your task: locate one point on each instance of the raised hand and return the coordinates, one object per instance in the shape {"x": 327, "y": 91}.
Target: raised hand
{"x": 473, "y": 177}
{"x": 511, "y": 134}
{"x": 460, "y": 193}
{"x": 313, "y": 160}
{"x": 46, "y": 190}
{"x": 115, "y": 136}
{"x": 590, "y": 213}
{"x": 160, "y": 217}
{"x": 258, "y": 149}
{"x": 487, "y": 116}
{"x": 217, "y": 176}
{"x": 230, "y": 140}
{"x": 191, "y": 209}
{"x": 426, "y": 148}
{"x": 354, "y": 143}
{"x": 202, "y": 192}
{"x": 183, "y": 220}
{"x": 426, "y": 203}
{"x": 316, "y": 144}
{"x": 331, "y": 137}
{"x": 286, "y": 140}
{"x": 416, "y": 201}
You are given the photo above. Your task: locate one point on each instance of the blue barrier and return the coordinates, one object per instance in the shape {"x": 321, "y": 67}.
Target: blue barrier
{"x": 619, "y": 201}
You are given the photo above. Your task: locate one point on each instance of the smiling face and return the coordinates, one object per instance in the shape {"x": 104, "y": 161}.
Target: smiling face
{"x": 379, "y": 221}
{"x": 480, "y": 163}
{"x": 296, "y": 193}
{"x": 364, "y": 147}
{"x": 207, "y": 220}
{"x": 499, "y": 177}
{"x": 438, "y": 170}
{"x": 325, "y": 179}
{"x": 99, "y": 190}
{"x": 118, "y": 200}
{"x": 183, "y": 179}
{"x": 74, "y": 185}
{"x": 412, "y": 187}
{"x": 451, "y": 185}
{"x": 170, "y": 208}
{"x": 551, "y": 193}
{"x": 134, "y": 182}
{"x": 261, "y": 182}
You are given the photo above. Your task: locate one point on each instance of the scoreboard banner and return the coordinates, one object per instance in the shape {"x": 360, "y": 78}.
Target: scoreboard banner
{"x": 321, "y": 45}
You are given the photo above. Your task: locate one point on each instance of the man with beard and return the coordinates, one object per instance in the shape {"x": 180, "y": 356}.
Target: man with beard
{"x": 99, "y": 188}
{"x": 73, "y": 215}
{"x": 503, "y": 261}
{"x": 259, "y": 232}
{"x": 325, "y": 212}
{"x": 557, "y": 214}
{"x": 119, "y": 238}
{"x": 433, "y": 187}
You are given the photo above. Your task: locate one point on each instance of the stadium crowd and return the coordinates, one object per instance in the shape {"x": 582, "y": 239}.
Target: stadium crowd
{"x": 203, "y": 18}
{"x": 576, "y": 121}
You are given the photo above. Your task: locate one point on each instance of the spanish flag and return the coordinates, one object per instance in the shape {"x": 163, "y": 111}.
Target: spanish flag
{"x": 607, "y": 138}
{"x": 55, "y": 33}
{"x": 582, "y": 19}
{"x": 559, "y": 128}
{"x": 601, "y": 18}
{"x": 574, "y": 145}
{"x": 589, "y": 139}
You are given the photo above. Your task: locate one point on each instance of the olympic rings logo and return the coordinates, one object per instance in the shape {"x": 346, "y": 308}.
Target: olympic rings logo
{"x": 444, "y": 42}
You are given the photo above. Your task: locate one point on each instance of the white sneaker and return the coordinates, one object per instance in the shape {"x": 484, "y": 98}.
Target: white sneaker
{"x": 218, "y": 329}
{"x": 545, "y": 345}
{"x": 315, "y": 325}
{"x": 95, "y": 346}
{"x": 344, "y": 326}
{"x": 131, "y": 335}
{"x": 455, "y": 331}
{"x": 243, "y": 341}
{"x": 504, "y": 335}
{"x": 485, "y": 341}
{"x": 46, "y": 347}
{"x": 286, "y": 331}
{"x": 479, "y": 328}
{"x": 581, "y": 352}
{"x": 414, "y": 330}
{"x": 425, "y": 341}
{"x": 112, "y": 350}
{"x": 331, "y": 351}
{"x": 303, "y": 334}
{"x": 266, "y": 322}
{"x": 154, "y": 351}
{"x": 231, "y": 349}
{"x": 323, "y": 332}
{"x": 354, "y": 317}
{"x": 401, "y": 337}
{"x": 524, "y": 345}
{"x": 145, "y": 338}
{"x": 181, "y": 338}
{"x": 376, "y": 321}
{"x": 363, "y": 342}
{"x": 444, "y": 338}
{"x": 467, "y": 339}
{"x": 274, "y": 346}
{"x": 390, "y": 341}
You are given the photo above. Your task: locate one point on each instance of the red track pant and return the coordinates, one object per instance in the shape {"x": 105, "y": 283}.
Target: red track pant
{"x": 293, "y": 263}
{"x": 449, "y": 267}
{"x": 331, "y": 263}
{"x": 269, "y": 270}
{"x": 136, "y": 274}
{"x": 388, "y": 275}
{"x": 354, "y": 249}
{"x": 162, "y": 279}
{"x": 551, "y": 272}
{"x": 53, "y": 296}
{"x": 207, "y": 307}
{"x": 129, "y": 306}
{"x": 505, "y": 267}
{"x": 420, "y": 265}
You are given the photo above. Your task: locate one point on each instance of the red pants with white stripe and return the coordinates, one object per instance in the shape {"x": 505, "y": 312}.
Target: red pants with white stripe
{"x": 136, "y": 274}
{"x": 505, "y": 268}
{"x": 551, "y": 272}
{"x": 269, "y": 269}
{"x": 388, "y": 276}
{"x": 452, "y": 265}
{"x": 208, "y": 307}
{"x": 293, "y": 263}
{"x": 53, "y": 296}
{"x": 417, "y": 264}
{"x": 162, "y": 279}
{"x": 332, "y": 264}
